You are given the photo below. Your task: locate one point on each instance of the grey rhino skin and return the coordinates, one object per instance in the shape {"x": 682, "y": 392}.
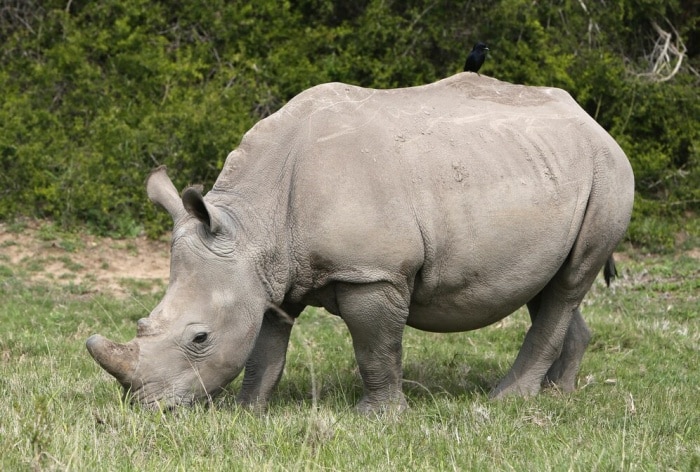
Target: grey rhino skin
{"x": 444, "y": 207}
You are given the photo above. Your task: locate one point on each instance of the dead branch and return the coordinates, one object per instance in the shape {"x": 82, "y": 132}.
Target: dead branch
{"x": 667, "y": 56}
{"x": 592, "y": 25}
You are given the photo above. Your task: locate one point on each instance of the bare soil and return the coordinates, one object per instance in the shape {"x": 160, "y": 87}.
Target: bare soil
{"x": 39, "y": 253}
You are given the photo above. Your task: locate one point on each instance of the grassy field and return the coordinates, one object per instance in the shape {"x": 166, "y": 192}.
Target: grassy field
{"x": 637, "y": 406}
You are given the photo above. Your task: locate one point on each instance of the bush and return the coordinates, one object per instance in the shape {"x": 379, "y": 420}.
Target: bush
{"x": 98, "y": 93}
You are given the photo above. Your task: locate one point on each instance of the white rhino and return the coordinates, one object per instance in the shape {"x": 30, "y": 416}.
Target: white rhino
{"x": 444, "y": 207}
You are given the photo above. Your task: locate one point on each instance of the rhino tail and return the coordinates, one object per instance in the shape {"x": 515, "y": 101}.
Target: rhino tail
{"x": 609, "y": 271}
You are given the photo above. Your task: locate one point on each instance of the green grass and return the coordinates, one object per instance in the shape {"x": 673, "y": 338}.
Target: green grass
{"x": 637, "y": 406}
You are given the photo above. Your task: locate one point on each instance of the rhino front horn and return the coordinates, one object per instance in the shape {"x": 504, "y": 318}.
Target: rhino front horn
{"x": 117, "y": 359}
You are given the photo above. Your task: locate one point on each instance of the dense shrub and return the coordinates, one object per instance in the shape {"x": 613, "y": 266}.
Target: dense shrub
{"x": 97, "y": 93}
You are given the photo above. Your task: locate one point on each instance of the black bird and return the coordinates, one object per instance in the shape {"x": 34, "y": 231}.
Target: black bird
{"x": 475, "y": 59}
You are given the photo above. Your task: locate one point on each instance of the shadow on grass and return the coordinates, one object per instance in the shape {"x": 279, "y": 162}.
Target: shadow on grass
{"x": 459, "y": 378}
{"x": 423, "y": 382}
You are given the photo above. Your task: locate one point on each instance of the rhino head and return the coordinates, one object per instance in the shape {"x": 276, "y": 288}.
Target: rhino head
{"x": 200, "y": 335}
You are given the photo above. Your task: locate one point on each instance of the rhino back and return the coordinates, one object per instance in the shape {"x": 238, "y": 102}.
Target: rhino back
{"x": 469, "y": 190}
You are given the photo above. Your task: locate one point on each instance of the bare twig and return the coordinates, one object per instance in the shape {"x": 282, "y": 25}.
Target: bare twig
{"x": 416, "y": 20}
{"x": 666, "y": 52}
{"x": 22, "y": 12}
{"x": 592, "y": 25}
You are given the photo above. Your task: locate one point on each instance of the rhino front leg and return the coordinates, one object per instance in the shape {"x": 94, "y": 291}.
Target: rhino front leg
{"x": 376, "y": 317}
{"x": 264, "y": 367}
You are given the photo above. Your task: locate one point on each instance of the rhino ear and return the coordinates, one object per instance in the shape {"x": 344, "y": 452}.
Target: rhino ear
{"x": 195, "y": 205}
{"x": 161, "y": 191}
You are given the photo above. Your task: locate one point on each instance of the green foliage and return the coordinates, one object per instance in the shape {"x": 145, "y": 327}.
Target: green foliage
{"x": 95, "y": 94}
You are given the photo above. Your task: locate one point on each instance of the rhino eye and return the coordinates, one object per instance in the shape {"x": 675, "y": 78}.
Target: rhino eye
{"x": 199, "y": 338}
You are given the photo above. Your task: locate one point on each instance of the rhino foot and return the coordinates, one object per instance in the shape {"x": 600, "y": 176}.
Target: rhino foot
{"x": 256, "y": 407}
{"x": 516, "y": 387}
{"x": 561, "y": 377}
{"x": 369, "y": 407}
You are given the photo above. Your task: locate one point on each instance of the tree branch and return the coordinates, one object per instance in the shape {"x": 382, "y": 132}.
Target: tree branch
{"x": 665, "y": 53}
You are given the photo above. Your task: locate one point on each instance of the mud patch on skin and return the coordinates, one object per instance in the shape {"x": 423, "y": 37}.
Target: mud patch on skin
{"x": 35, "y": 252}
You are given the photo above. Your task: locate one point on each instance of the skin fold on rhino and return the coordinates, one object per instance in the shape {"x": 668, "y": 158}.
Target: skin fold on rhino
{"x": 444, "y": 207}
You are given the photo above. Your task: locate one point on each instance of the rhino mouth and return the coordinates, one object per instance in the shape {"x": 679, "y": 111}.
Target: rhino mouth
{"x": 163, "y": 398}
{"x": 164, "y": 407}
{"x": 154, "y": 402}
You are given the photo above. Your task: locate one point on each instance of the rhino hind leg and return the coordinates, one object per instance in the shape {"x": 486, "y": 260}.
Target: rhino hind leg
{"x": 377, "y": 345}
{"x": 555, "y": 342}
{"x": 564, "y": 370}
{"x": 542, "y": 346}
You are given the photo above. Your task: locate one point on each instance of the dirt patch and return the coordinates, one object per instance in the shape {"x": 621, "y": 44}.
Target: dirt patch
{"x": 39, "y": 253}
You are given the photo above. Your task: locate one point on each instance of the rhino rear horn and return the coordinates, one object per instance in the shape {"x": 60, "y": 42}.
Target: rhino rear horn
{"x": 119, "y": 360}
{"x": 161, "y": 191}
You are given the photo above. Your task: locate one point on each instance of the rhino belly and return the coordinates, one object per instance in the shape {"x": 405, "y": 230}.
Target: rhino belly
{"x": 464, "y": 300}
{"x": 494, "y": 268}
{"x": 455, "y": 313}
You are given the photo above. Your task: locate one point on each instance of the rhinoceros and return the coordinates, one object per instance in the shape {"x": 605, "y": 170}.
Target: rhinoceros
{"x": 444, "y": 207}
